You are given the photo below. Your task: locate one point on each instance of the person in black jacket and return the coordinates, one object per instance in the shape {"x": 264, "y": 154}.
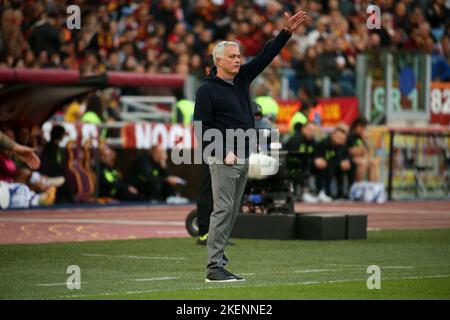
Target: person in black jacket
{"x": 110, "y": 181}
{"x": 331, "y": 161}
{"x": 223, "y": 102}
{"x": 362, "y": 165}
{"x": 45, "y": 36}
{"x": 302, "y": 143}
{"x": 148, "y": 172}
{"x": 52, "y": 156}
{"x": 54, "y": 163}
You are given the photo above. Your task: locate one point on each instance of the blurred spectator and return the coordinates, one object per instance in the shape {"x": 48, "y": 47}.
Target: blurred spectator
{"x": 94, "y": 111}
{"x": 12, "y": 20}
{"x": 44, "y": 35}
{"x": 8, "y": 168}
{"x": 302, "y": 115}
{"x": 308, "y": 70}
{"x": 331, "y": 162}
{"x": 148, "y": 172}
{"x": 53, "y": 159}
{"x": 22, "y": 152}
{"x": 437, "y": 13}
{"x": 440, "y": 67}
{"x": 302, "y": 142}
{"x": 110, "y": 182}
{"x": 75, "y": 110}
{"x": 358, "y": 149}
{"x": 20, "y": 196}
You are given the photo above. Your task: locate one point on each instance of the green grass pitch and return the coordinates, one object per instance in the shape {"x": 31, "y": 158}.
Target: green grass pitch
{"x": 415, "y": 264}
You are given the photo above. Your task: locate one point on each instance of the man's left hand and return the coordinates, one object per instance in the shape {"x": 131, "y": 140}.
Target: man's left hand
{"x": 293, "y": 22}
{"x": 27, "y": 155}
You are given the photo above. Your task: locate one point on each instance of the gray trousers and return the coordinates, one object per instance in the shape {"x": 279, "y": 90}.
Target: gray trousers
{"x": 228, "y": 184}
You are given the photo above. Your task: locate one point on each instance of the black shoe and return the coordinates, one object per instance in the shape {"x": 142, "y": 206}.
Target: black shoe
{"x": 221, "y": 275}
{"x": 236, "y": 276}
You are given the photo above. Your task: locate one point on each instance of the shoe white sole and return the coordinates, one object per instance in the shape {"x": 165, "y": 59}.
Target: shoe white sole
{"x": 222, "y": 281}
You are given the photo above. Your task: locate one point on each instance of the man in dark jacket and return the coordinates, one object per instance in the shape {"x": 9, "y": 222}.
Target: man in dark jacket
{"x": 149, "y": 174}
{"x": 54, "y": 163}
{"x": 223, "y": 102}
{"x": 110, "y": 181}
{"x": 45, "y": 36}
{"x": 302, "y": 144}
{"x": 331, "y": 161}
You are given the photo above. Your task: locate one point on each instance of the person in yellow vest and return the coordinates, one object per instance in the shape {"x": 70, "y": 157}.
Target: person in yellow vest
{"x": 110, "y": 181}
{"x": 74, "y": 111}
{"x": 184, "y": 112}
{"x": 94, "y": 111}
{"x": 94, "y": 114}
{"x": 269, "y": 106}
{"x": 297, "y": 118}
{"x": 301, "y": 117}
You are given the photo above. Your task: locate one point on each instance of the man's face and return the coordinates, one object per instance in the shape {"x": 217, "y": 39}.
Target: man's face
{"x": 308, "y": 131}
{"x": 360, "y": 130}
{"x": 158, "y": 154}
{"x": 107, "y": 156}
{"x": 338, "y": 138}
{"x": 230, "y": 62}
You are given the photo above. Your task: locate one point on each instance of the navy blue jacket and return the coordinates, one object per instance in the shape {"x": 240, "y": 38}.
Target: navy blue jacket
{"x": 222, "y": 105}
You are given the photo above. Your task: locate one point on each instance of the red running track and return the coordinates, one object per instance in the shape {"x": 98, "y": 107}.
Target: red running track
{"x": 111, "y": 223}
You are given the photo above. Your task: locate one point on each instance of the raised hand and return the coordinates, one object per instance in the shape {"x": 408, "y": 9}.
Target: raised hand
{"x": 27, "y": 155}
{"x": 293, "y": 22}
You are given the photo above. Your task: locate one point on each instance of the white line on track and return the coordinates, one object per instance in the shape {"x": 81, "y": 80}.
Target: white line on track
{"x": 336, "y": 209}
{"x": 365, "y": 266}
{"x": 54, "y": 284}
{"x": 158, "y": 279}
{"x": 163, "y": 207}
{"x": 314, "y": 270}
{"x": 131, "y": 257}
{"x": 95, "y": 221}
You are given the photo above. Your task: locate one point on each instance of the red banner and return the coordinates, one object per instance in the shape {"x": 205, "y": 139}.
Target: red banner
{"x": 440, "y": 103}
{"x": 339, "y": 109}
{"x": 329, "y": 111}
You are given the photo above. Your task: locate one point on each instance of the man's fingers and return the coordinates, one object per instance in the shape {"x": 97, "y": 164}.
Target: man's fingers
{"x": 287, "y": 15}
{"x": 299, "y": 14}
{"x": 301, "y": 17}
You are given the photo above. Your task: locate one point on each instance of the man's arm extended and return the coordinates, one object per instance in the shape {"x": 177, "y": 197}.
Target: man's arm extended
{"x": 255, "y": 66}
{"x": 24, "y": 153}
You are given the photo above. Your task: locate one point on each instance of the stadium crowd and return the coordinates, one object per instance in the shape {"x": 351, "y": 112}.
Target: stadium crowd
{"x": 177, "y": 36}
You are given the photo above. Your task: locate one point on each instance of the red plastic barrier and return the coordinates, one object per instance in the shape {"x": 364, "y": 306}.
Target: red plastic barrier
{"x": 115, "y": 78}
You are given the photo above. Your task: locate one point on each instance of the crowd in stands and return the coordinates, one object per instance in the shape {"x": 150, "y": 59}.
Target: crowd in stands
{"x": 177, "y": 36}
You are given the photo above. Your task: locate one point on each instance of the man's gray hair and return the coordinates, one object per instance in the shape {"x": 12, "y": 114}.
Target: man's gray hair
{"x": 220, "y": 47}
